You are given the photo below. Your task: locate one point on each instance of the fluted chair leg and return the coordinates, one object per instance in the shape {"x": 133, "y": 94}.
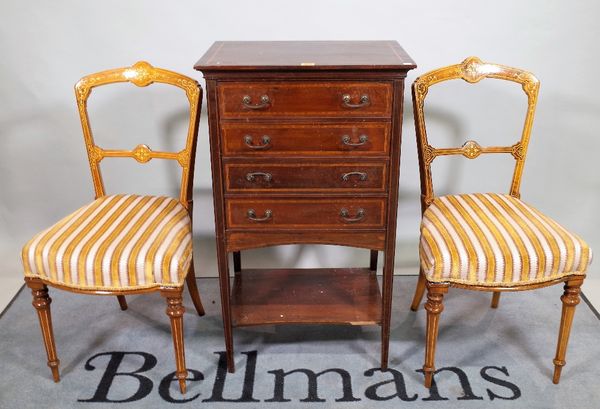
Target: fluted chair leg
{"x": 495, "y": 299}
{"x": 434, "y": 306}
{"x": 41, "y": 302}
{"x": 175, "y": 312}
{"x": 570, "y": 299}
{"x": 193, "y": 290}
{"x": 122, "y": 302}
{"x": 419, "y": 292}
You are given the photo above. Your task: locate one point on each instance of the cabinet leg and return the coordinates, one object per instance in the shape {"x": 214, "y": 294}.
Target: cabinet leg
{"x": 386, "y": 313}
{"x": 373, "y": 263}
{"x": 237, "y": 261}
{"x": 224, "y": 284}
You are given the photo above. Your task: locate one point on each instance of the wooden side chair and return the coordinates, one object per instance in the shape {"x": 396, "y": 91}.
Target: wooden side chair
{"x": 125, "y": 243}
{"x": 488, "y": 241}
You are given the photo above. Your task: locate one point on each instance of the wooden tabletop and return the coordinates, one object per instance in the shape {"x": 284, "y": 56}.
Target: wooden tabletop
{"x": 305, "y": 56}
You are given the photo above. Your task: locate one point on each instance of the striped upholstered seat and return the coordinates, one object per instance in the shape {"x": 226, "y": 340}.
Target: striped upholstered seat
{"x": 496, "y": 240}
{"x": 116, "y": 242}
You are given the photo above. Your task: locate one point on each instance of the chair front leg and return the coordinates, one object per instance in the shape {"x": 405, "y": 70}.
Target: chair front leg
{"x": 175, "y": 310}
{"x": 570, "y": 299}
{"x": 41, "y": 302}
{"x": 434, "y": 307}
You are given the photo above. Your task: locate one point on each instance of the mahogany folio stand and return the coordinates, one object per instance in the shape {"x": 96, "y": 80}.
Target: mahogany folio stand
{"x": 305, "y": 148}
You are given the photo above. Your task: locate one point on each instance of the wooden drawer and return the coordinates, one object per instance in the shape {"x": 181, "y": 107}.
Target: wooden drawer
{"x": 304, "y": 98}
{"x": 341, "y": 213}
{"x": 252, "y": 139}
{"x": 303, "y": 176}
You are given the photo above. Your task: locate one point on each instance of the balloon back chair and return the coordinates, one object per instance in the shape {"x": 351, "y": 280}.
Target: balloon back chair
{"x": 489, "y": 242}
{"x": 124, "y": 243}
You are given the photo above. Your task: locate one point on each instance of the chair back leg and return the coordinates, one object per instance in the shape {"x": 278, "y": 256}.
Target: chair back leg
{"x": 122, "y": 302}
{"x": 570, "y": 299}
{"x": 175, "y": 310}
{"x": 41, "y": 302}
{"x": 193, "y": 289}
{"x": 495, "y": 299}
{"x": 419, "y": 291}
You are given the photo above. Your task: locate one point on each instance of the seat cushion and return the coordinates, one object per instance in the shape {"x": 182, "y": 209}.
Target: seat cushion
{"x": 116, "y": 242}
{"x": 496, "y": 240}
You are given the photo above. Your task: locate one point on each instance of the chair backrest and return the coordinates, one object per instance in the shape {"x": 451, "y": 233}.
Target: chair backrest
{"x": 471, "y": 70}
{"x": 142, "y": 74}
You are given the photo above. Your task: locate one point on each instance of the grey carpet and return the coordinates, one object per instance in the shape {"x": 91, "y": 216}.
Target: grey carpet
{"x": 503, "y": 356}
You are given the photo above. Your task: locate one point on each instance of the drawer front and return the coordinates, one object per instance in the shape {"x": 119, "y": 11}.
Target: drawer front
{"x": 350, "y": 213}
{"x": 251, "y": 139}
{"x": 302, "y": 176}
{"x": 315, "y": 99}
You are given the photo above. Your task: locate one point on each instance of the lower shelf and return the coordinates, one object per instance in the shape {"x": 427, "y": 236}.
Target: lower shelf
{"x": 306, "y": 296}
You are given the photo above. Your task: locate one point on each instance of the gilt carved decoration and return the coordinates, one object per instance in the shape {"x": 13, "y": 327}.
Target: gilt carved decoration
{"x": 472, "y": 70}
{"x": 140, "y": 74}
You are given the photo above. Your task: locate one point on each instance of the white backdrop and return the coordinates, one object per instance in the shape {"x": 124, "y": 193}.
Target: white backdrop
{"x": 45, "y": 47}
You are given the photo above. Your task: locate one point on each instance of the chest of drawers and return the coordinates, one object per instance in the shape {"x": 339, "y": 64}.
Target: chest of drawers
{"x": 305, "y": 148}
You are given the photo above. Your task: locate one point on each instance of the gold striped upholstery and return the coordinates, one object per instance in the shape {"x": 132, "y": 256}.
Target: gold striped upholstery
{"x": 496, "y": 240}
{"x": 115, "y": 242}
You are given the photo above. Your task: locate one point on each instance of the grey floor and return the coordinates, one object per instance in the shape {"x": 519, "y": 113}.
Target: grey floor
{"x": 504, "y": 354}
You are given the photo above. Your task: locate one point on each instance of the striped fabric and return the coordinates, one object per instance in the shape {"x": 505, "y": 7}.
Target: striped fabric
{"x": 496, "y": 240}
{"x": 114, "y": 243}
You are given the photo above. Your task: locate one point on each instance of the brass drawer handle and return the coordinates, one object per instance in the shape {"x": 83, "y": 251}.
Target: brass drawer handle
{"x": 266, "y": 142}
{"x": 346, "y": 140}
{"x": 264, "y": 102}
{"x": 251, "y": 214}
{"x": 345, "y": 214}
{"x": 361, "y": 175}
{"x": 251, "y": 177}
{"x": 347, "y": 101}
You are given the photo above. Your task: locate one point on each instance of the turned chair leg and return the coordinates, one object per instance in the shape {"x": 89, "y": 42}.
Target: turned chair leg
{"x": 175, "y": 312}
{"x": 122, "y": 302}
{"x": 570, "y": 299}
{"x": 433, "y": 306}
{"x": 193, "y": 290}
{"x": 495, "y": 299}
{"x": 419, "y": 291}
{"x": 41, "y": 302}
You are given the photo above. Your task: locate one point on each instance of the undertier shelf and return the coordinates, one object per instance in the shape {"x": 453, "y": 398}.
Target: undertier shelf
{"x": 306, "y": 296}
